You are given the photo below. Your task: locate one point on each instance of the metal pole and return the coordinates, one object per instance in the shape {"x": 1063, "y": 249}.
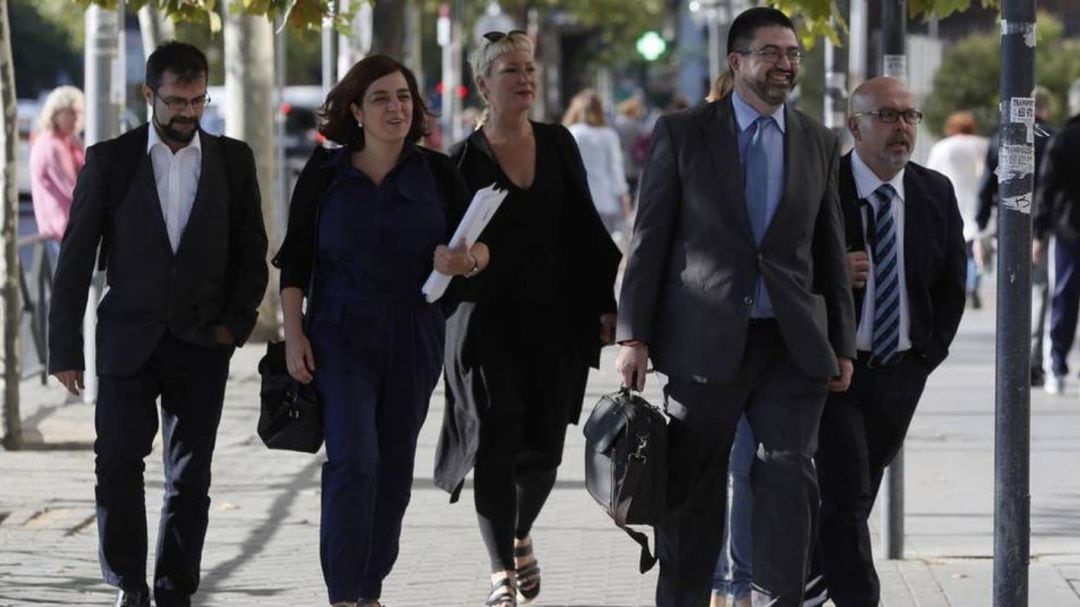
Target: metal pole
{"x": 857, "y": 47}
{"x": 893, "y": 31}
{"x": 894, "y": 64}
{"x": 836, "y": 78}
{"x": 105, "y": 97}
{"x": 1012, "y": 433}
{"x": 329, "y": 54}
{"x": 281, "y": 198}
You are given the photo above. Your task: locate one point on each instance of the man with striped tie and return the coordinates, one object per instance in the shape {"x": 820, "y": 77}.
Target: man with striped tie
{"x": 907, "y": 263}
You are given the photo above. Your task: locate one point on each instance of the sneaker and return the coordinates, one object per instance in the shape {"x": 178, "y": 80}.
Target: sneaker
{"x": 1055, "y": 385}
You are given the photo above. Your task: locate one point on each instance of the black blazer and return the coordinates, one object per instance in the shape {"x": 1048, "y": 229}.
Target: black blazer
{"x": 935, "y": 257}
{"x": 693, "y": 262}
{"x": 217, "y": 276}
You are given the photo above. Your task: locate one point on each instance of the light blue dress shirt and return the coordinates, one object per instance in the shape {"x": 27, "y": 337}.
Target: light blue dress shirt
{"x": 745, "y": 115}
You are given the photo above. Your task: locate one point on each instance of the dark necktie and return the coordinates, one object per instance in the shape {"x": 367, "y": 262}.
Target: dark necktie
{"x": 886, "y": 278}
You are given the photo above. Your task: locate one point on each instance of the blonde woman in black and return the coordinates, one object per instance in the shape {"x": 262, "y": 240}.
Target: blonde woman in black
{"x": 525, "y": 332}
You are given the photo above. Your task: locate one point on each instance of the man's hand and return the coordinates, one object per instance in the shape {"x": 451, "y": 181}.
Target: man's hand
{"x": 1038, "y": 249}
{"x": 72, "y": 380}
{"x": 224, "y": 335}
{"x": 632, "y": 363}
{"x": 858, "y": 268}
{"x": 841, "y": 382}
{"x": 607, "y": 329}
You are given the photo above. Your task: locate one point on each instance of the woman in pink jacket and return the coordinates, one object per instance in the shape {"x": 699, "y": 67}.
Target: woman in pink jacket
{"x": 56, "y": 157}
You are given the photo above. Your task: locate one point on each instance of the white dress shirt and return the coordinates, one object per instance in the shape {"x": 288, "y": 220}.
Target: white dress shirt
{"x": 866, "y": 182}
{"x": 177, "y": 179}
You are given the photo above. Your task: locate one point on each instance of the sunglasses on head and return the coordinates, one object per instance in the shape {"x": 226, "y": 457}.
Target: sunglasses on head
{"x": 496, "y": 36}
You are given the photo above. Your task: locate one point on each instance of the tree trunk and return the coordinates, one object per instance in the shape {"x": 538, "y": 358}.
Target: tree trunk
{"x": 9, "y": 231}
{"x": 388, "y": 28}
{"x": 154, "y": 27}
{"x": 249, "y": 116}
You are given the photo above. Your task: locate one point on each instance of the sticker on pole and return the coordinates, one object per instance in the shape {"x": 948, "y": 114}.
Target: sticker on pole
{"x": 894, "y": 66}
{"x": 1017, "y": 203}
{"x": 1015, "y": 161}
{"x": 1009, "y": 28}
{"x": 1022, "y": 110}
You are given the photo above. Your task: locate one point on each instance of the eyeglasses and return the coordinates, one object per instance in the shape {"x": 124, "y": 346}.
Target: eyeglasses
{"x": 496, "y": 36}
{"x": 177, "y": 104}
{"x": 772, "y": 54}
{"x": 891, "y": 116}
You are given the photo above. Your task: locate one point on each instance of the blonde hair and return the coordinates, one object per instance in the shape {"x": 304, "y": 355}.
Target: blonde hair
{"x": 485, "y": 55}
{"x": 585, "y": 107}
{"x": 61, "y": 98}
{"x": 721, "y": 87}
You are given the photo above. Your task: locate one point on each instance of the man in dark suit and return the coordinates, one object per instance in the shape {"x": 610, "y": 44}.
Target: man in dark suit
{"x": 908, "y": 265}
{"x": 736, "y": 287}
{"x": 177, "y": 214}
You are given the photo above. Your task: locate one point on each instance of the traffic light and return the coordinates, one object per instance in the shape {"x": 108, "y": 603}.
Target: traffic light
{"x": 650, "y": 45}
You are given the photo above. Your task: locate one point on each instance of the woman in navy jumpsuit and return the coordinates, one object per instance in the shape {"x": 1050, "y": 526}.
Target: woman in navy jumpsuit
{"x": 368, "y": 222}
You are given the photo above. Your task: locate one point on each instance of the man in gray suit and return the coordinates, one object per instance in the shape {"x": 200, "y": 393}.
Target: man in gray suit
{"x": 177, "y": 214}
{"x": 736, "y": 287}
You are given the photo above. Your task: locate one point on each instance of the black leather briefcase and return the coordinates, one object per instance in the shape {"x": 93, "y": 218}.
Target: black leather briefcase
{"x": 626, "y": 463}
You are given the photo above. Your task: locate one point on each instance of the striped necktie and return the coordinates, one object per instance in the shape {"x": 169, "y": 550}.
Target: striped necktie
{"x": 886, "y": 278}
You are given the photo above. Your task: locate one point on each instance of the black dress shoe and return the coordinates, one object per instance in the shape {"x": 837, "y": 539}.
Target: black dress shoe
{"x": 133, "y": 598}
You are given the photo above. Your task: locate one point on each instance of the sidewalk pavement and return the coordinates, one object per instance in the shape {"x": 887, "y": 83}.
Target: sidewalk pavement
{"x": 262, "y": 547}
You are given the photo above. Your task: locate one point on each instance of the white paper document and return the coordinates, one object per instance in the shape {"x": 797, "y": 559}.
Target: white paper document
{"x": 480, "y": 211}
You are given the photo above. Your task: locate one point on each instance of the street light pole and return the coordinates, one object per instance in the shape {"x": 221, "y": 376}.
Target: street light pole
{"x": 893, "y": 64}
{"x": 1012, "y": 436}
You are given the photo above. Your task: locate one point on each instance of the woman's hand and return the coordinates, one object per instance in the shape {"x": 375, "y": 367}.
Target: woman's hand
{"x": 607, "y": 328}
{"x": 456, "y": 261}
{"x": 299, "y": 358}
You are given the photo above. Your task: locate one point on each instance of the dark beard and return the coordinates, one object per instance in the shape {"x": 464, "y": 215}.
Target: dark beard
{"x": 774, "y": 95}
{"x": 174, "y": 134}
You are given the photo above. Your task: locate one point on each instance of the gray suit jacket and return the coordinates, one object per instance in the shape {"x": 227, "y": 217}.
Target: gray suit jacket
{"x": 692, "y": 264}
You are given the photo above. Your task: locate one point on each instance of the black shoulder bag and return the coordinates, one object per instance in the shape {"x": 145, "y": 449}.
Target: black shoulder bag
{"x": 626, "y": 464}
{"x": 291, "y": 416}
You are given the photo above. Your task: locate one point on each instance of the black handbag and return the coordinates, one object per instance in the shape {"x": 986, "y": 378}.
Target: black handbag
{"x": 626, "y": 464}
{"x": 290, "y": 416}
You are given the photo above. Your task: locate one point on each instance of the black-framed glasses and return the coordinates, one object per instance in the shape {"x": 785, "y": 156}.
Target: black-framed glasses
{"x": 772, "y": 54}
{"x": 890, "y": 116}
{"x": 177, "y": 104}
{"x": 496, "y": 36}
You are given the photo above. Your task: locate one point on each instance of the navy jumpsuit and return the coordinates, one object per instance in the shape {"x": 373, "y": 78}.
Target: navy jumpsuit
{"x": 378, "y": 353}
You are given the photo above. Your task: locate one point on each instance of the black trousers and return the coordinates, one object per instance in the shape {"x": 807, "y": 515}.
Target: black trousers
{"x": 190, "y": 380}
{"x": 522, "y": 432}
{"x": 783, "y": 407}
{"x": 861, "y": 432}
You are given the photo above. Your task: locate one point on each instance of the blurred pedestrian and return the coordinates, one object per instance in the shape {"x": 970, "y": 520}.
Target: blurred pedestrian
{"x": 737, "y": 288}
{"x": 367, "y": 225}
{"x": 960, "y": 156}
{"x": 178, "y": 216}
{"x": 1057, "y": 212}
{"x": 520, "y": 343}
{"x": 907, "y": 265}
{"x": 721, "y": 87}
{"x": 1040, "y": 274}
{"x": 634, "y": 139}
{"x": 56, "y": 157}
{"x": 600, "y": 151}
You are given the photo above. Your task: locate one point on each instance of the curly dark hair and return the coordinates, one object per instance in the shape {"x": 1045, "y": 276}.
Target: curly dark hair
{"x": 336, "y": 121}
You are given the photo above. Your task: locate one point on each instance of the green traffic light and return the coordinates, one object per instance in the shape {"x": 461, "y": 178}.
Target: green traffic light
{"x": 651, "y": 46}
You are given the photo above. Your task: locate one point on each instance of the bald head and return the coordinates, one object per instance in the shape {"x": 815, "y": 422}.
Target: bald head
{"x": 883, "y": 121}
